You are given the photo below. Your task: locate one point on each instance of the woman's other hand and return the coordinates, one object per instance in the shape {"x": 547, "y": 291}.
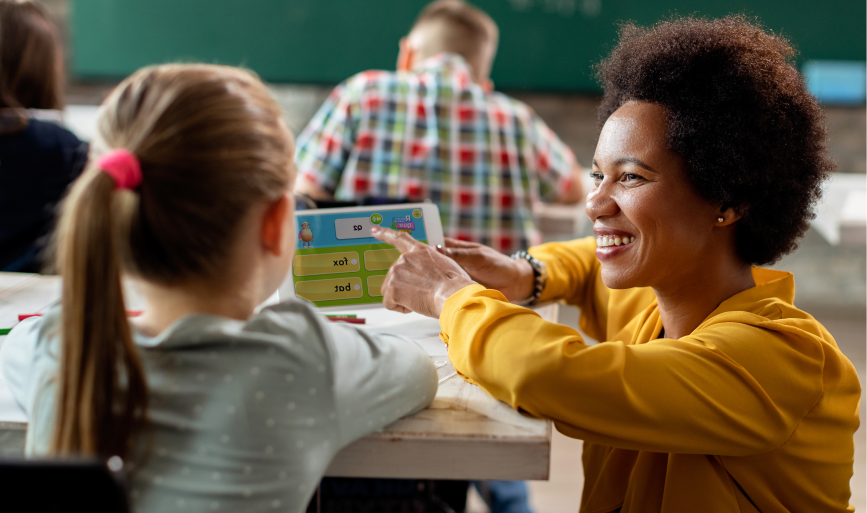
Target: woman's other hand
{"x": 514, "y": 278}
{"x": 422, "y": 279}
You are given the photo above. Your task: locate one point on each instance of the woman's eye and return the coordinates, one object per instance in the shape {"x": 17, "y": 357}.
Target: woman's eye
{"x": 596, "y": 176}
{"x": 631, "y": 177}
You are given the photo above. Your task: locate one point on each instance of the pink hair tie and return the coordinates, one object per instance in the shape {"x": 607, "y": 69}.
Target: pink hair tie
{"x": 123, "y": 166}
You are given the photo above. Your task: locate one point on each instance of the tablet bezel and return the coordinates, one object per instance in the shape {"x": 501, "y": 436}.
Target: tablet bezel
{"x": 433, "y": 232}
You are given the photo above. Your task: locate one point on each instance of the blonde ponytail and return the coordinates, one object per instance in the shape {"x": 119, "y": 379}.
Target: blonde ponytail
{"x": 102, "y": 393}
{"x": 210, "y": 143}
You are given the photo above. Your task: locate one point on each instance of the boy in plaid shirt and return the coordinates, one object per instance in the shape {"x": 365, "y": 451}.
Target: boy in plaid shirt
{"x": 435, "y": 130}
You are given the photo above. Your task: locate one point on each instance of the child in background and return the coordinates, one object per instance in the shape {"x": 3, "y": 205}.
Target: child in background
{"x": 38, "y": 157}
{"x": 213, "y": 406}
{"x": 436, "y": 130}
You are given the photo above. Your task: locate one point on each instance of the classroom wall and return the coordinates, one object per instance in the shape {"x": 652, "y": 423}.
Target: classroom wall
{"x": 545, "y": 44}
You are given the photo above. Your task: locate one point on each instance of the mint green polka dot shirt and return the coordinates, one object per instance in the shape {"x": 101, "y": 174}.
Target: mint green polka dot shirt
{"x": 244, "y": 415}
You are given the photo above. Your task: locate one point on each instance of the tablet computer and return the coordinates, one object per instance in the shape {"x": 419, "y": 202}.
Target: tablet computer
{"x": 339, "y": 263}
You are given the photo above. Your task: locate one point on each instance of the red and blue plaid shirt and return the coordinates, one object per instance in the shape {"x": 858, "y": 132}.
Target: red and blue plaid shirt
{"x": 483, "y": 158}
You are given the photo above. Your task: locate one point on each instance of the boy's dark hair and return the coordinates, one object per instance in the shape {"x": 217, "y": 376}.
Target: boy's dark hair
{"x": 466, "y": 31}
{"x": 740, "y": 115}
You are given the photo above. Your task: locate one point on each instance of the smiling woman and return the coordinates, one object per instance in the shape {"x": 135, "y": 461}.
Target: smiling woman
{"x": 679, "y": 243}
{"x": 751, "y": 135}
{"x": 711, "y": 391}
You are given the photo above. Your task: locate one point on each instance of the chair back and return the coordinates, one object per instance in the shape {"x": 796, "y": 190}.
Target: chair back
{"x": 60, "y": 486}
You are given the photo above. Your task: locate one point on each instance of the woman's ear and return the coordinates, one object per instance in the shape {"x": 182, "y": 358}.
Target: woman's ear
{"x": 274, "y": 233}
{"x": 727, "y": 216}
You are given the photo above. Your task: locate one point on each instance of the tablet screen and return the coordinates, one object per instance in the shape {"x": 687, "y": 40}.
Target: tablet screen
{"x": 337, "y": 261}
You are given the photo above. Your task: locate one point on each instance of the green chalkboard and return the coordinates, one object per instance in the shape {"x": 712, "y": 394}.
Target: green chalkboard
{"x": 544, "y": 44}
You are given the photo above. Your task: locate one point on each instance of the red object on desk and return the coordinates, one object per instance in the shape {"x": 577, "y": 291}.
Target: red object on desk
{"x": 129, "y": 313}
{"x": 350, "y": 320}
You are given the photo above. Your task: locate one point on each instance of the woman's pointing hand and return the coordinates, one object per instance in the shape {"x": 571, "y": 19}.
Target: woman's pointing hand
{"x": 422, "y": 279}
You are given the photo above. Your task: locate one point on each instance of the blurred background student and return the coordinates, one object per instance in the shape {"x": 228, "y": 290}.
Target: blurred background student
{"x": 38, "y": 157}
{"x": 436, "y": 130}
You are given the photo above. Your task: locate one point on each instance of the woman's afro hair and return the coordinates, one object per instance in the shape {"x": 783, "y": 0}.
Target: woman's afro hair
{"x": 740, "y": 115}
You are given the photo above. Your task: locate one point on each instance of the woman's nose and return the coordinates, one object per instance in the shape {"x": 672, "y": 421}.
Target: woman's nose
{"x": 600, "y": 203}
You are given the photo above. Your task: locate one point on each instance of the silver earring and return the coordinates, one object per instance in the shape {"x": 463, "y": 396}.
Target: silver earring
{"x": 720, "y": 219}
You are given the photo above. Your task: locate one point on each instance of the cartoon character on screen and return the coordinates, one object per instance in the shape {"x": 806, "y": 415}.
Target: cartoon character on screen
{"x": 305, "y": 235}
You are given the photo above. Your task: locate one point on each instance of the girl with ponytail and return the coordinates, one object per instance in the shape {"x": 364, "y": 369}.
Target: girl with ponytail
{"x": 213, "y": 406}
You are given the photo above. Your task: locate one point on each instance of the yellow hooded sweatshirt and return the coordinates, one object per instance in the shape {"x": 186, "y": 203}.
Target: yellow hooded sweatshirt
{"x": 755, "y": 410}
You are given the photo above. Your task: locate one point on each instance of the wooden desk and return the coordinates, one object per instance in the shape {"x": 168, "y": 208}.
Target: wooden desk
{"x": 464, "y": 434}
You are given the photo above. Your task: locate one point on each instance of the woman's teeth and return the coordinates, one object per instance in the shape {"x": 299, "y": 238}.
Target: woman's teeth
{"x": 613, "y": 240}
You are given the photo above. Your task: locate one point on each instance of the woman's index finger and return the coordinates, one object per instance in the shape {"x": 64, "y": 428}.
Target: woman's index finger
{"x": 400, "y": 240}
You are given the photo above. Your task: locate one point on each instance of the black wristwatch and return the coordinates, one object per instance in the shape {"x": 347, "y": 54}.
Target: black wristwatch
{"x": 540, "y": 277}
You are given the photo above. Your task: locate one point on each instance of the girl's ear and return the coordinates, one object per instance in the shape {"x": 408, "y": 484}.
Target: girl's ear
{"x": 274, "y": 234}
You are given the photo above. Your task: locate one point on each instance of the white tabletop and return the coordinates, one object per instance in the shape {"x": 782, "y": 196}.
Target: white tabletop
{"x": 463, "y": 434}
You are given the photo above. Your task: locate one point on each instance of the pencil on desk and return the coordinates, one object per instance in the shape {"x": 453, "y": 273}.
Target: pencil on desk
{"x": 129, "y": 313}
{"x": 21, "y": 317}
{"x": 350, "y": 320}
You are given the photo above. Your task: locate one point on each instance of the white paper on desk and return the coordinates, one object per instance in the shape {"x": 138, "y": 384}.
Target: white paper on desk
{"x": 423, "y": 330}
{"x": 412, "y": 325}
{"x": 33, "y": 296}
